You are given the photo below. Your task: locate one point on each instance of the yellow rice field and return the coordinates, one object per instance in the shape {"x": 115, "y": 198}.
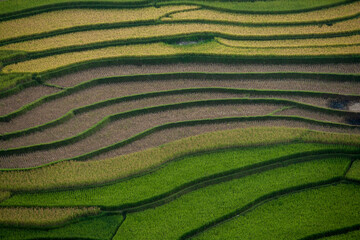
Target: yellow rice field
{"x": 77, "y": 173}
{"x": 55, "y": 20}
{"x": 20, "y": 216}
{"x": 162, "y": 49}
{"x": 97, "y": 36}
{"x": 350, "y": 9}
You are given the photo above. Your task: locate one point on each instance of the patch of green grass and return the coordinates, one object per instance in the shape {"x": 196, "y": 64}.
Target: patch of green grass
{"x": 354, "y": 171}
{"x": 167, "y": 178}
{"x": 295, "y": 216}
{"x": 197, "y": 208}
{"x": 93, "y": 228}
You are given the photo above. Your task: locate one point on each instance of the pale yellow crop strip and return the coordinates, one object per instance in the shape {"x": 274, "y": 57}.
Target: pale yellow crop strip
{"x": 97, "y": 36}
{"x": 318, "y": 42}
{"x": 74, "y": 173}
{"x": 162, "y": 49}
{"x": 21, "y": 216}
{"x": 51, "y": 21}
{"x": 350, "y": 9}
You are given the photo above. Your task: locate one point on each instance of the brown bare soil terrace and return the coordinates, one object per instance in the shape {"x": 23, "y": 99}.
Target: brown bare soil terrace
{"x": 305, "y": 84}
{"x": 125, "y": 128}
{"x": 83, "y": 121}
{"x": 56, "y": 108}
{"x": 73, "y": 79}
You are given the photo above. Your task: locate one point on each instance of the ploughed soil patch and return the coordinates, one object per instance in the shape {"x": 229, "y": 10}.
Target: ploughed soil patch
{"x": 86, "y": 75}
{"x": 56, "y": 108}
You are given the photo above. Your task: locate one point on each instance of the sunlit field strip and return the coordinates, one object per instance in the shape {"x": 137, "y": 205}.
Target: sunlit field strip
{"x": 163, "y": 50}
{"x": 292, "y": 43}
{"x": 55, "y": 20}
{"x": 350, "y": 9}
{"x": 73, "y": 173}
{"x": 197, "y": 208}
{"x": 175, "y": 175}
{"x": 163, "y": 30}
{"x": 41, "y": 217}
{"x": 294, "y": 216}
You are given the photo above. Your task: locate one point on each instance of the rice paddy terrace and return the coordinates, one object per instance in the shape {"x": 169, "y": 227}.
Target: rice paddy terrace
{"x": 171, "y": 119}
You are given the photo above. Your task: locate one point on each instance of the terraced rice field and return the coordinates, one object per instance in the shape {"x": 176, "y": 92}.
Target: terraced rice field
{"x": 180, "y": 120}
